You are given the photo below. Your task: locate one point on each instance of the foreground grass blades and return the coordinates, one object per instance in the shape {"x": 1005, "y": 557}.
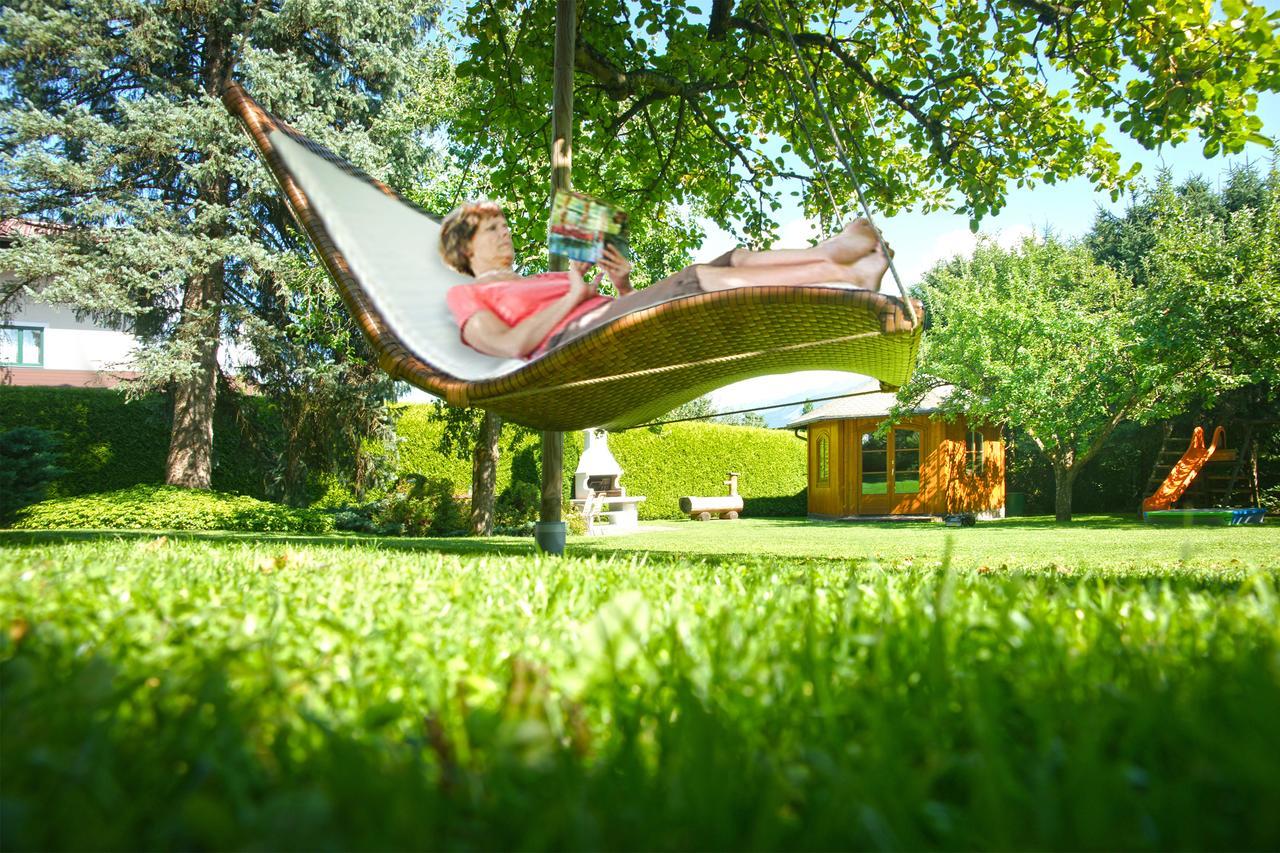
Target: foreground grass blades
{"x": 173, "y": 694}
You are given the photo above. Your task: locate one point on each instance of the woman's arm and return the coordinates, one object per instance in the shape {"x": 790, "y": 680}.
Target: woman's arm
{"x": 486, "y": 332}
{"x": 618, "y": 268}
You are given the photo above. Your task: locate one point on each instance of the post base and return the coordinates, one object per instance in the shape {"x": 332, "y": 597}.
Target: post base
{"x": 549, "y": 537}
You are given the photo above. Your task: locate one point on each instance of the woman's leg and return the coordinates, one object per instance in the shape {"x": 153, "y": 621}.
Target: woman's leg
{"x": 718, "y": 275}
{"x": 856, "y": 240}
{"x": 864, "y": 272}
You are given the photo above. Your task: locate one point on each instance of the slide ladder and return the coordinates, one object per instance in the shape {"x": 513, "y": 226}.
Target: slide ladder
{"x": 1184, "y": 473}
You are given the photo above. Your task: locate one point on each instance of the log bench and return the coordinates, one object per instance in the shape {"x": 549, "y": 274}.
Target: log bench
{"x": 727, "y": 506}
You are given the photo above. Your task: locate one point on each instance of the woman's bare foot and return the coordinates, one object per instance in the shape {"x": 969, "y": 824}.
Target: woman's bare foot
{"x": 852, "y": 243}
{"x": 868, "y": 270}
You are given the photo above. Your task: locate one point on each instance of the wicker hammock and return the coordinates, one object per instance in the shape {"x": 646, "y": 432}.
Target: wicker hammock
{"x": 381, "y": 251}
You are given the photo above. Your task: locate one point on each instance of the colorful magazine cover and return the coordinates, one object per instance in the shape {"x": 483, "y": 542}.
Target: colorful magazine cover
{"x": 581, "y": 226}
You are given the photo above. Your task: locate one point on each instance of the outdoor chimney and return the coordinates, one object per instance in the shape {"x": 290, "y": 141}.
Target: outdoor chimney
{"x": 597, "y": 470}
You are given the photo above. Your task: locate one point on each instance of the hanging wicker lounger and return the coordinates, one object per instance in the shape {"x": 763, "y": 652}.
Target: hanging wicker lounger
{"x": 381, "y": 250}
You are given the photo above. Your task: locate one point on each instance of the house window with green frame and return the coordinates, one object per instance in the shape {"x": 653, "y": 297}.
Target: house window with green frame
{"x": 21, "y": 346}
{"x": 824, "y": 460}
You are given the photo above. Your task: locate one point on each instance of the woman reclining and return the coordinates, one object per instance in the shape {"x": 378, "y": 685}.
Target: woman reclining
{"x": 505, "y": 314}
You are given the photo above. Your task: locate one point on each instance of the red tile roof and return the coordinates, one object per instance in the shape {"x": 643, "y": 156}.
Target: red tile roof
{"x": 11, "y": 228}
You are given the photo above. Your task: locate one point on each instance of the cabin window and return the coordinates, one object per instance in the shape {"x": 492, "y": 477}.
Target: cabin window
{"x": 973, "y": 452}
{"x": 906, "y": 461}
{"x": 875, "y": 464}
{"x": 824, "y": 460}
{"x": 21, "y": 346}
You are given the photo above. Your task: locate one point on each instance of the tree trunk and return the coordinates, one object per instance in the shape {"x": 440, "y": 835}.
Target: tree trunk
{"x": 484, "y": 475}
{"x": 190, "y": 461}
{"x": 1064, "y": 479}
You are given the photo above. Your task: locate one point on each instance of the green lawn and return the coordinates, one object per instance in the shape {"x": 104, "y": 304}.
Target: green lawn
{"x": 757, "y": 684}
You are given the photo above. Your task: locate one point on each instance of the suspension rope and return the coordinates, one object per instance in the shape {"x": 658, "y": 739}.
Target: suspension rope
{"x": 755, "y": 409}
{"x": 843, "y": 155}
{"x": 813, "y": 148}
{"x": 668, "y": 368}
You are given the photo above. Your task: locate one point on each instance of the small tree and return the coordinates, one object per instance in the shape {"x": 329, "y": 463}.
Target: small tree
{"x": 28, "y": 464}
{"x": 1039, "y": 338}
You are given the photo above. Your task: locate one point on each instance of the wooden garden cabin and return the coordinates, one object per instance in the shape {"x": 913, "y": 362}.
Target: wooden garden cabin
{"x": 924, "y": 466}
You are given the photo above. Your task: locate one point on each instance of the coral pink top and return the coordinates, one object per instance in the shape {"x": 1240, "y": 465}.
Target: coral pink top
{"x": 513, "y": 301}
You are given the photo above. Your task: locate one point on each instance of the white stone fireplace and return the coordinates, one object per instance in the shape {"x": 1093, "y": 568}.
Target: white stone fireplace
{"x": 597, "y": 490}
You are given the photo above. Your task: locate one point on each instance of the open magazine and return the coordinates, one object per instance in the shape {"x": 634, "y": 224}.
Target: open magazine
{"x": 581, "y": 226}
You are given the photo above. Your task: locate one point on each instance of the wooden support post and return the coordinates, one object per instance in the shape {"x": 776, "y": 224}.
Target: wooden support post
{"x": 550, "y": 531}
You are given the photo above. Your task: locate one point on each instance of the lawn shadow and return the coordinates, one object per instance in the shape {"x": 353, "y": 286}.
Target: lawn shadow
{"x": 1112, "y": 521}
{"x": 499, "y": 546}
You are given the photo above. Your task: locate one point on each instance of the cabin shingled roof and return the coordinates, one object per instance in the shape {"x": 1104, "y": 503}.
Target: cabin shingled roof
{"x": 868, "y": 406}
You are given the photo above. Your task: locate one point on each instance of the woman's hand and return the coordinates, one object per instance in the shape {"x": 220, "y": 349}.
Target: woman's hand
{"x": 618, "y": 268}
{"x": 579, "y": 285}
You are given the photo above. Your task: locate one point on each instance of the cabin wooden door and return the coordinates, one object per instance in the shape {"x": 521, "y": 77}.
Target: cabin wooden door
{"x": 887, "y": 479}
{"x": 824, "y": 465}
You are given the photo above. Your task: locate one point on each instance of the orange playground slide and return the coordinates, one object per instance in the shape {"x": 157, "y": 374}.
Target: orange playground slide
{"x": 1184, "y": 473}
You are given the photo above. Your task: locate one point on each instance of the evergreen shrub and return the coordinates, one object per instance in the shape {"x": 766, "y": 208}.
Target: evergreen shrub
{"x": 171, "y": 508}
{"x": 28, "y": 464}
{"x": 518, "y": 505}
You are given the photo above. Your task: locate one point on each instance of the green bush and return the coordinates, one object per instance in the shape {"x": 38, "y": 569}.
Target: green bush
{"x": 171, "y": 508}
{"x": 451, "y": 516}
{"x": 418, "y": 506}
{"x": 518, "y": 505}
{"x": 28, "y": 464}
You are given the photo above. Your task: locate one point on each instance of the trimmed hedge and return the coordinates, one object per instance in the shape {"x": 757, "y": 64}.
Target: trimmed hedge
{"x": 420, "y": 436}
{"x": 109, "y": 444}
{"x": 171, "y": 508}
{"x": 693, "y": 459}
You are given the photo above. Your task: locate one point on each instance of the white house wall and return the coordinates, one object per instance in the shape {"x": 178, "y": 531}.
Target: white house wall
{"x": 71, "y": 344}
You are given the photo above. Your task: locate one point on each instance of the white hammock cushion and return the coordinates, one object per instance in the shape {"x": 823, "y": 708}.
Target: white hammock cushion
{"x": 393, "y": 251}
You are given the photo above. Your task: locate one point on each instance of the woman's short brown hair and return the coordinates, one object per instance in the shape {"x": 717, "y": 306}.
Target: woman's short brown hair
{"x": 459, "y": 227}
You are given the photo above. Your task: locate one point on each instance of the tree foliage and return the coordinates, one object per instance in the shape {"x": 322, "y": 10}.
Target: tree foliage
{"x": 331, "y": 396}
{"x": 943, "y": 103}
{"x": 1205, "y": 266}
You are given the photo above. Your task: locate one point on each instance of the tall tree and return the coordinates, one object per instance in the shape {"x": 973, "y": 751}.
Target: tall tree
{"x": 1209, "y": 294}
{"x": 113, "y": 125}
{"x": 1203, "y": 262}
{"x": 331, "y": 399}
